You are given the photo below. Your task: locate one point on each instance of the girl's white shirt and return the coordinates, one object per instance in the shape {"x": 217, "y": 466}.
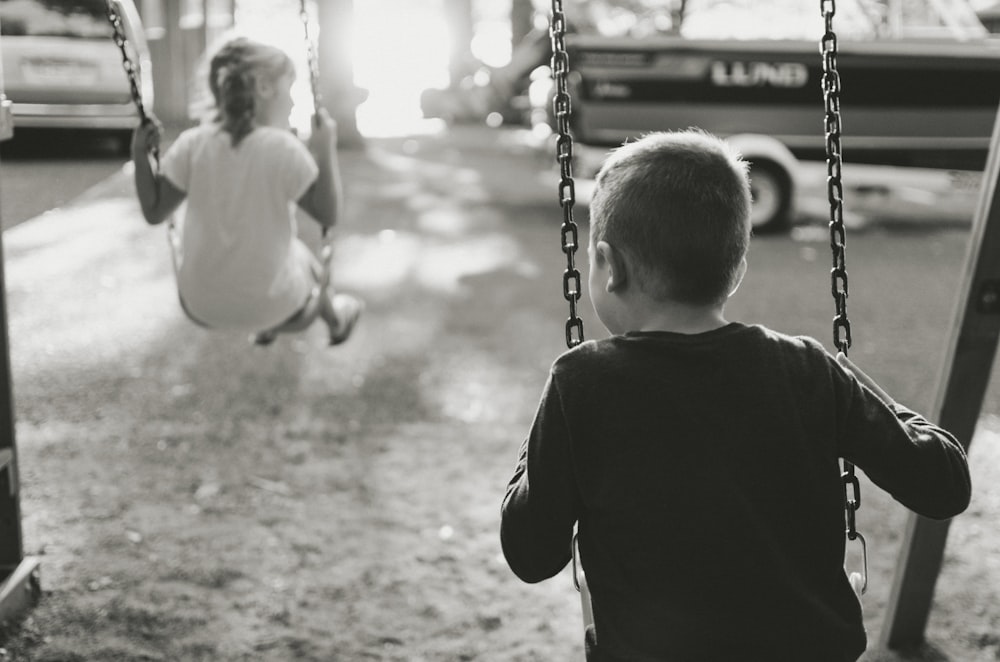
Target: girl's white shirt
{"x": 240, "y": 262}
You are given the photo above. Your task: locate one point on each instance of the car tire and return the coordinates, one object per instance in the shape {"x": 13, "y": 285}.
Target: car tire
{"x": 771, "y": 191}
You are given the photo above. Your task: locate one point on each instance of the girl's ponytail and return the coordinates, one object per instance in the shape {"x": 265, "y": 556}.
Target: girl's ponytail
{"x": 233, "y": 77}
{"x": 238, "y": 107}
{"x": 232, "y": 82}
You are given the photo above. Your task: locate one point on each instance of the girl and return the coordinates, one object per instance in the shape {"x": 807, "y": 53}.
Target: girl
{"x": 241, "y": 264}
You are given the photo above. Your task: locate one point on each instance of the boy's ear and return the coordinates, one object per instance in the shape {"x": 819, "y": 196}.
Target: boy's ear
{"x": 614, "y": 261}
{"x": 265, "y": 89}
{"x": 741, "y": 271}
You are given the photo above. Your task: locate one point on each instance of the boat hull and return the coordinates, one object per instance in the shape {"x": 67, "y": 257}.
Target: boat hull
{"x": 927, "y": 104}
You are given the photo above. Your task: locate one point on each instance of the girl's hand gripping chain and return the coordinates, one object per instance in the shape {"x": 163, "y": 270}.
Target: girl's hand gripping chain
{"x": 322, "y": 201}
{"x": 146, "y": 137}
{"x": 323, "y": 140}
{"x": 146, "y": 144}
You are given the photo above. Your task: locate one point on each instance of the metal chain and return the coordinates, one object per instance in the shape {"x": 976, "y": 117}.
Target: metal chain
{"x": 313, "y": 60}
{"x": 835, "y": 188}
{"x": 132, "y": 73}
{"x": 121, "y": 40}
{"x": 838, "y": 241}
{"x": 561, "y": 107}
{"x": 311, "y": 57}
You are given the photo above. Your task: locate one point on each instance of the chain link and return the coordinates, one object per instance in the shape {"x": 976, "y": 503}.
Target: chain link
{"x": 838, "y": 236}
{"x": 835, "y": 187}
{"x": 132, "y": 73}
{"x": 562, "y": 107}
{"x": 311, "y": 57}
{"x": 131, "y": 70}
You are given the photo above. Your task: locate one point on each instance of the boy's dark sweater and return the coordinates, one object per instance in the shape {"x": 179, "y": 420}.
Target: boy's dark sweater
{"x": 704, "y": 473}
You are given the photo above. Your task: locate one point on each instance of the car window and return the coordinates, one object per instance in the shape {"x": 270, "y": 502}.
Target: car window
{"x": 83, "y": 19}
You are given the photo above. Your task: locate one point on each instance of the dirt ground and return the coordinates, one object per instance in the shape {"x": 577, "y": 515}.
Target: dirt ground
{"x": 193, "y": 498}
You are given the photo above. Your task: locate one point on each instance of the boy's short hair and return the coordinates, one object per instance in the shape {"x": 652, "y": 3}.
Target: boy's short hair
{"x": 678, "y": 204}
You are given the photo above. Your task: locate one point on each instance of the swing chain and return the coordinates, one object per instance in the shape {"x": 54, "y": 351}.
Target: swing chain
{"x": 121, "y": 40}
{"x": 838, "y": 237}
{"x": 311, "y": 57}
{"x": 313, "y": 60}
{"x": 835, "y": 187}
{"x": 132, "y": 72}
{"x": 561, "y": 107}
{"x": 852, "y": 498}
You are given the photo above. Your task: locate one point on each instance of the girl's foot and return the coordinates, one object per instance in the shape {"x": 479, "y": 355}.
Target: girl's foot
{"x": 348, "y": 309}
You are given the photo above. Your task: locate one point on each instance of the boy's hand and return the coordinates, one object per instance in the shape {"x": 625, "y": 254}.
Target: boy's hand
{"x": 847, "y": 365}
{"x": 323, "y": 139}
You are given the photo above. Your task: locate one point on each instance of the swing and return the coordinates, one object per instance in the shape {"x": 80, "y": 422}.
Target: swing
{"x": 572, "y": 289}
{"x": 310, "y": 310}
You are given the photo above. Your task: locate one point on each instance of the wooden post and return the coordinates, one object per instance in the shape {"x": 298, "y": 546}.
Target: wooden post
{"x": 460, "y": 31}
{"x": 336, "y": 69}
{"x": 522, "y": 20}
{"x": 964, "y": 378}
{"x": 166, "y": 50}
{"x": 178, "y": 33}
{"x": 219, "y": 17}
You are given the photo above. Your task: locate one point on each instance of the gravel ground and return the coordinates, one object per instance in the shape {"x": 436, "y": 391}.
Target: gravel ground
{"x": 196, "y": 498}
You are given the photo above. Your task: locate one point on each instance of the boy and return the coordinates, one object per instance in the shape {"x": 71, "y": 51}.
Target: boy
{"x": 700, "y": 456}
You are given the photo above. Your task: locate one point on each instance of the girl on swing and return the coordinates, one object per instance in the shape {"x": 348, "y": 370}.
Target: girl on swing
{"x": 240, "y": 263}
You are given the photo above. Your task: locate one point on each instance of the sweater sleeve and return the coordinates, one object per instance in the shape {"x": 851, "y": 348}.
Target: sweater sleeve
{"x": 542, "y": 502}
{"x": 920, "y": 464}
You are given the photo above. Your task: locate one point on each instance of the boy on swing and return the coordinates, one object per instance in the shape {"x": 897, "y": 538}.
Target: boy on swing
{"x": 700, "y": 456}
{"x": 241, "y": 264}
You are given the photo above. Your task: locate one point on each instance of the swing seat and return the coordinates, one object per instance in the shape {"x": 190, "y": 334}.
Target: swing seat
{"x": 299, "y": 321}
{"x": 859, "y": 579}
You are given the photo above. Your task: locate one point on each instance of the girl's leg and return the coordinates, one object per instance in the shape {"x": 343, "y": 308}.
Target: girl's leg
{"x": 300, "y": 321}
{"x": 340, "y": 311}
{"x": 306, "y": 315}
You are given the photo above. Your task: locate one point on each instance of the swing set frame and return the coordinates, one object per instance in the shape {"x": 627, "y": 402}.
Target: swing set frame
{"x": 967, "y": 363}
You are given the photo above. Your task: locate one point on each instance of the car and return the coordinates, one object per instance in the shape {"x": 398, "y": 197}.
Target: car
{"x": 62, "y": 68}
{"x": 921, "y": 85}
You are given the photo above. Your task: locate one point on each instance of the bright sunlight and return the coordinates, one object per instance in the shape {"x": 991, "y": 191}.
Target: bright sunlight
{"x": 399, "y": 48}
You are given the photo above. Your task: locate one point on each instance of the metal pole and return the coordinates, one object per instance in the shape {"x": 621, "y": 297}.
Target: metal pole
{"x": 11, "y": 547}
{"x": 19, "y": 577}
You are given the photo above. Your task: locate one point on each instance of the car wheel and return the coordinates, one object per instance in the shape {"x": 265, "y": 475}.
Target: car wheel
{"x": 771, "y": 191}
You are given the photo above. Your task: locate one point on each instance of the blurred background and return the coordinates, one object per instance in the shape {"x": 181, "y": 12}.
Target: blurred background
{"x": 921, "y": 81}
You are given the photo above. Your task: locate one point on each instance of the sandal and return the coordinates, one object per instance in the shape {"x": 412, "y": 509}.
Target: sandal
{"x": 348, "y": 309}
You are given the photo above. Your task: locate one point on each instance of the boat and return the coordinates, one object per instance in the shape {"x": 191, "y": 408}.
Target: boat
{"x": 920, "y": 87}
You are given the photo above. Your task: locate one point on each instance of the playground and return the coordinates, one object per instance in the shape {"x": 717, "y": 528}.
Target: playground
{"x": 190, "y": 496}
{"x": 193, "y": 497}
